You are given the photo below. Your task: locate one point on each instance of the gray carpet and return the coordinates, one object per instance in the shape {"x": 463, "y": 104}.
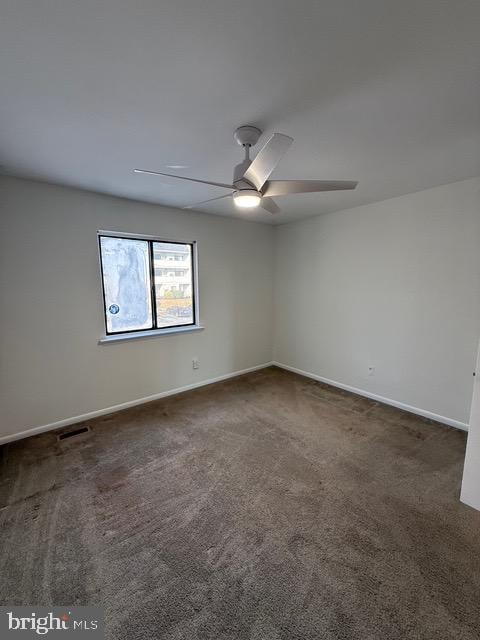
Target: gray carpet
{"x": 263, "y": 508}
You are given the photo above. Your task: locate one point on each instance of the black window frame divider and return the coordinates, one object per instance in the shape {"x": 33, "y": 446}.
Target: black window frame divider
{"x": 151, "y": 240}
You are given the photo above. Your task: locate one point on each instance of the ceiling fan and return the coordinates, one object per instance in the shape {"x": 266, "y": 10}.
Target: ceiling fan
{"x": 250, "y": 186}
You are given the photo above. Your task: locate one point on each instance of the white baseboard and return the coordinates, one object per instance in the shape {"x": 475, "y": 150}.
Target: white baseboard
{"x": 163, "y": 394}
{"x": 373, "y": 396}
{"x": 126, "y": 405}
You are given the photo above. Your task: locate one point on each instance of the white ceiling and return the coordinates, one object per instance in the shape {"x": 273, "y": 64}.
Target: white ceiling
{"x": 383, "y": 91}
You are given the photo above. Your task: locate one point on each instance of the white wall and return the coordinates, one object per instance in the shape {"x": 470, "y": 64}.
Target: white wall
{"x": 51, "y": 308}
{"x": 395, "y": 285}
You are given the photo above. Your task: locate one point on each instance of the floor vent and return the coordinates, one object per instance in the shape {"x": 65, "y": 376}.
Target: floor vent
{"x": 71, "y": 434}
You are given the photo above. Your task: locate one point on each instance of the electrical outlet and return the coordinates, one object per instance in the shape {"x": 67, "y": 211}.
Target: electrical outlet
{"x": 195, "y": 363}
{"x": 371, "y": 371}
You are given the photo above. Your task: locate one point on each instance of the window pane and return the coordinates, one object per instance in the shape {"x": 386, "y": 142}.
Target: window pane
{"x": 126, "y": 280}
{"x": 173, "y": 283}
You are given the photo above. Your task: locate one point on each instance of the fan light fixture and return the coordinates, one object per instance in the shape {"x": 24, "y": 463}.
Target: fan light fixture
{"x": 251, "y": 186}
{"x": 247, "y": 198}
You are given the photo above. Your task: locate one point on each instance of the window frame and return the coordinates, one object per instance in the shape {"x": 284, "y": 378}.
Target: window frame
{"x": 154, "y": 330}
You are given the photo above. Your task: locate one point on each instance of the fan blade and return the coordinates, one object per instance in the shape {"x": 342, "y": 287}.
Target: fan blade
{"x": 171, "y": 175}
{"x": 285, "y": 187}
{"x": 267, "y": 159}
{"x": 198, "y": 204}
{"x": 269, "y": 205}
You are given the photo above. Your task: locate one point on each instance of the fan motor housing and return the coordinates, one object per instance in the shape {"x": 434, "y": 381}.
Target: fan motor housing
{"x": 238, "y": 174}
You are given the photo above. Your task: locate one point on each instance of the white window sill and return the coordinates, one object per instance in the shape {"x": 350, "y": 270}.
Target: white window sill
{"x": 154, "y": 333}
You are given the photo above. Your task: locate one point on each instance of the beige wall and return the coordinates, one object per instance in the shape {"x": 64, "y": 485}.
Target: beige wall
{"x": 51, "y": 365}
{"x": 394, "y": 285}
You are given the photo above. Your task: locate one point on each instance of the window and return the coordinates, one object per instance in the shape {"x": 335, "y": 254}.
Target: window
{"x": 139, "y": 295}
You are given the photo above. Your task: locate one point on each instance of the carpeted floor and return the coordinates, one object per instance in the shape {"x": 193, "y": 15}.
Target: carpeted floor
{"x": 267, "y": 507}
